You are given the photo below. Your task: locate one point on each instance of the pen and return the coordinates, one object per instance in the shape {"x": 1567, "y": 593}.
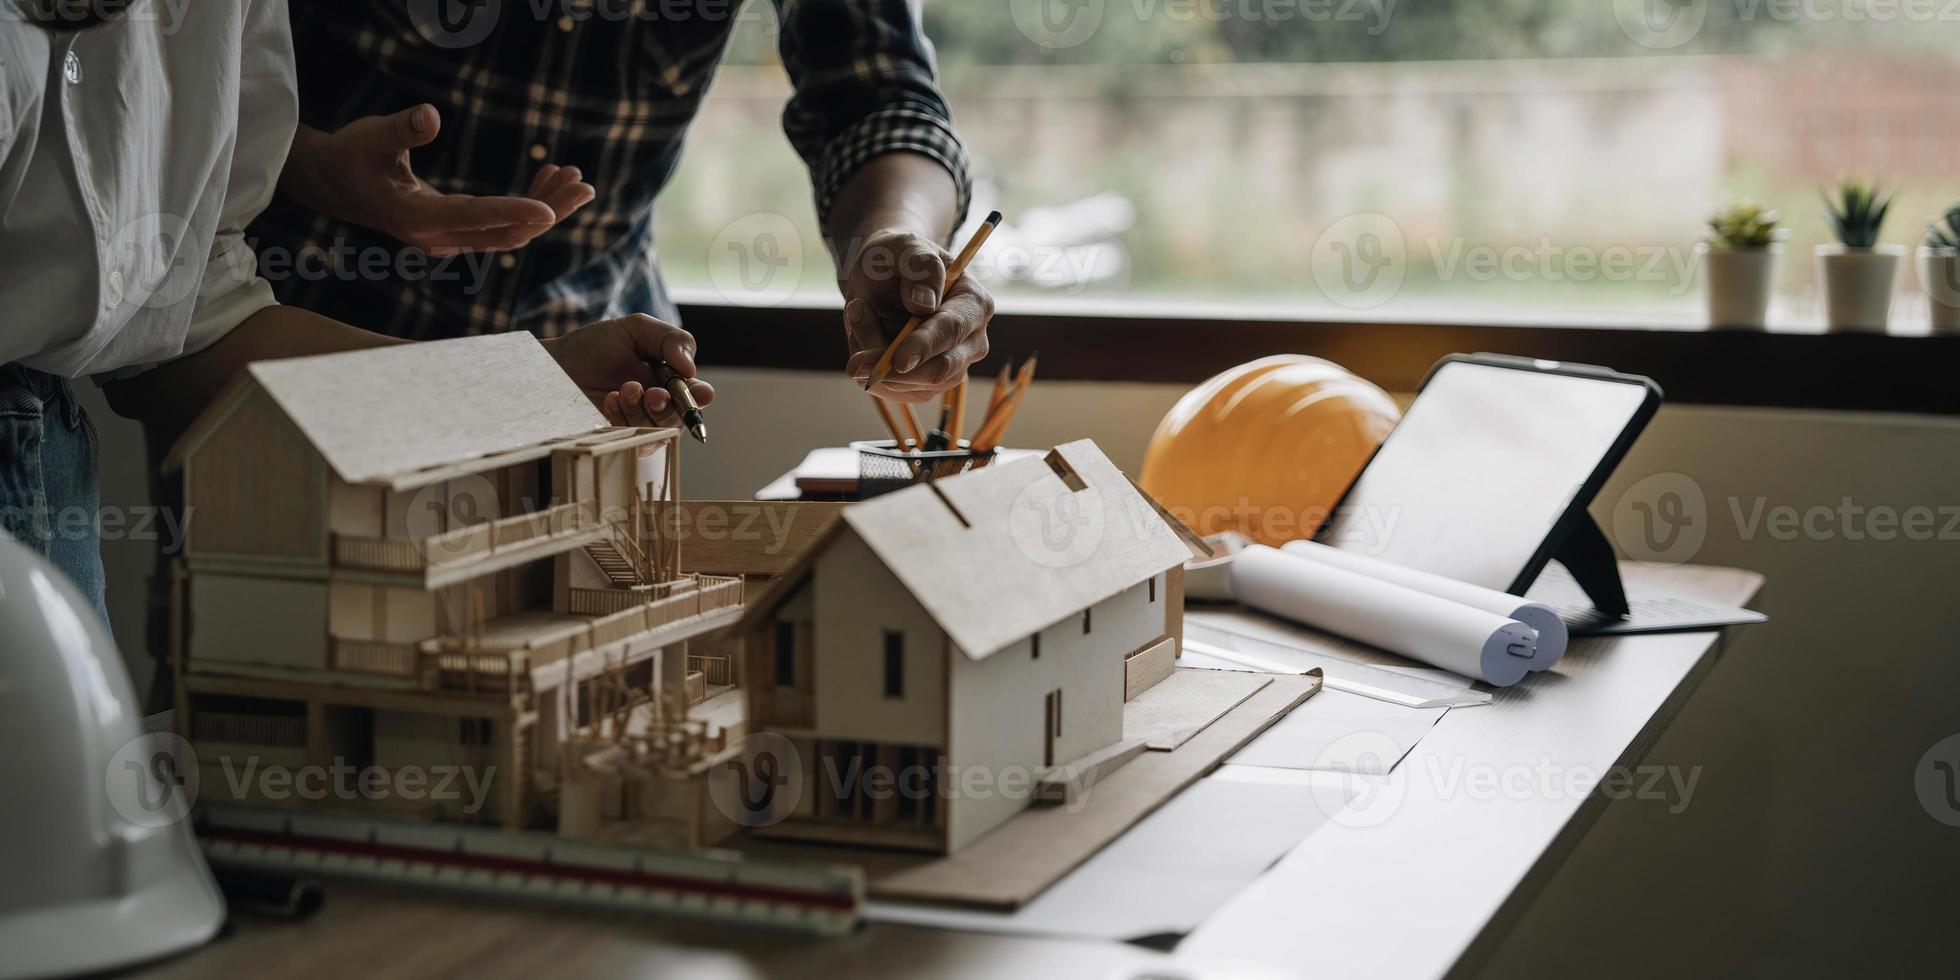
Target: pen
{"x": 683, "y": 399}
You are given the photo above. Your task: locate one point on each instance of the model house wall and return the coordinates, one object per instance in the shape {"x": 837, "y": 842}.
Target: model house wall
{"x": 852, "y": 640}
{"x": 248, "y": 620}
{"x": 256, "y": 489}
{"x": 1001, "y": 706}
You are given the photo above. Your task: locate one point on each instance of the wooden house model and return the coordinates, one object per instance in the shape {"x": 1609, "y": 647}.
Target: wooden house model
{"x": 964, "y": 639}
{"x": 434, "y": 555}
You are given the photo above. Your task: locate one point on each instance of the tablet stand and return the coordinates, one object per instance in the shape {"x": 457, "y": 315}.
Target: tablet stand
{"x": 1587, "y": 554}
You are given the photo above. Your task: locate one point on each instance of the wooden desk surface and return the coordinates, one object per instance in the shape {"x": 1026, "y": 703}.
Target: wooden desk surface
{"x": 1406, "y": 895}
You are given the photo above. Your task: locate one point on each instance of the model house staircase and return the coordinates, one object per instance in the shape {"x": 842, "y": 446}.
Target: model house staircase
{"x": 618, "y": 569}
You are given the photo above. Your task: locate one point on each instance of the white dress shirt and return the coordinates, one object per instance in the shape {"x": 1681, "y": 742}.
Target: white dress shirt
{"x": 132, "y": 155}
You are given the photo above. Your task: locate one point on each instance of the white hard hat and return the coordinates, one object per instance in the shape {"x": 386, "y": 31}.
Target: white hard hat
{"x": 100, "y": 868}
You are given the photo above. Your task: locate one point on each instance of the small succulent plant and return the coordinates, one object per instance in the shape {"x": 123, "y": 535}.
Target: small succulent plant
{"x": 1857, "y": 213}
{"x": 1743, "y": 227}
{"x": 1945, "y": 233}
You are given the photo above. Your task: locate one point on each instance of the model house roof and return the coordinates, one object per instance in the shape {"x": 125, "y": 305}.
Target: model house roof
{"x": 999, "y": 553}
{"x": 381, "y": 414}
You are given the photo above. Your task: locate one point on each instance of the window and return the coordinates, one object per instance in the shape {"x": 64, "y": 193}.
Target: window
{"x": 1085, "y": 621}
{"x": 1153, "y": 590}
{"x": 894, "y": 664}
{"x": 785, "y": 654}
{"x": 1440, "y": 160}
{"x": 1034, "y": 647}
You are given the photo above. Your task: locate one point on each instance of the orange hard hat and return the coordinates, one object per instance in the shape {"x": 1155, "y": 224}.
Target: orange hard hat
{"x": 1267, "y": 448}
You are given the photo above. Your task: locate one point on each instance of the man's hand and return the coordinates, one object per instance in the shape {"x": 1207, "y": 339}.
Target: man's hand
{"x": 889, "y": 278}
{"x": 612, "y": 362}
{"x": 361, "y": 174}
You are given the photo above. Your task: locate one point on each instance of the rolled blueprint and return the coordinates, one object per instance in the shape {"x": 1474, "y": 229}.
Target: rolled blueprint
{"x": 1396, "y": 618}
{"x": 1552, "y": 634}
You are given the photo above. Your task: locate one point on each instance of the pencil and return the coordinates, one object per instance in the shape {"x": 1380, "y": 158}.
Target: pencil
{"x": 912, "y": 425}
{"x": 891, "y": 424}
{"x": 995, "y": 427}
{"x": 988, "y": 439}
{"x": 1005, "y": 385}
{"x": 953, "y": 273}
{"x": 1000, "y": 389}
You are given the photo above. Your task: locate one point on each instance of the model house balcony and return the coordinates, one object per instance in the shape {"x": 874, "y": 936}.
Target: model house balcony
{"x": 380, "y": 658}
{"x": 504, "y": 655}
{"x": 521, "y": 537}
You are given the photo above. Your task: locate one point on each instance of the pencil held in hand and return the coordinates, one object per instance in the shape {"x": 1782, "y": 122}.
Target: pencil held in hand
{"x": 883, "y": 369}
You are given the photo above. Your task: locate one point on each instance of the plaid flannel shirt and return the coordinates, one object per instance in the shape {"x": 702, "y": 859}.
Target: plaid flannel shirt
{"x": 525, "y": 82}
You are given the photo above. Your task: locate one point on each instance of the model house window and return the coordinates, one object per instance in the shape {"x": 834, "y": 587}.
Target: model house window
{"x": 1153, "y": 590}
{"x": 1034, "y": 647}
{"x": 1085, "y": 621}
{"x": 894, "y": 664}
{"x": 785, "y": 654}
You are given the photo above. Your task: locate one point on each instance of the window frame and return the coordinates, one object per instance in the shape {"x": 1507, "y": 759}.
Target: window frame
{"x": 1090, "y": 341}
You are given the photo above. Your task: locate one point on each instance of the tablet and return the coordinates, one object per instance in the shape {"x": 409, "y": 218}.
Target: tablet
{"x": 1492, "y": 467}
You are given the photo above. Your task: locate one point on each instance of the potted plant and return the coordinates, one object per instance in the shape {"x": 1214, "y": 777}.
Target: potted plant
{"x": 1939, "y": 269}
{"x": 1740, "y": 252}
{"x": 1857, "y": 272}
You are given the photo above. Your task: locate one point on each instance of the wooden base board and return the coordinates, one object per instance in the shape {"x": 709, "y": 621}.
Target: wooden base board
{"x": 1021, "y": 858}
{"x": 1183, "y": 704}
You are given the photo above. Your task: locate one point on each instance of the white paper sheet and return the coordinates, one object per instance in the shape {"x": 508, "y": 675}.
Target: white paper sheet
{"x": 1170, "y": 871}
{"x": 1279, "y": 636}
{"x": 1543, "y": 619}
{"x": 1206, "y": 646}
{"x": 1335, "y": 731}
{"x": 1415, "y": 624}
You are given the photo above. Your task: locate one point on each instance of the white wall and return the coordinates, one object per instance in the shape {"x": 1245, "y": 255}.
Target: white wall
{"x": 857, "y": 600}
{"x": 999, "y": 705}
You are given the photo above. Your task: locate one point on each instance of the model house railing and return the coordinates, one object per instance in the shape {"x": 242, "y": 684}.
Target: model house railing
{"x": 459, "y": 659}
{"x": 718, "y": 671}
{"x": 459, "y": 545}
{"x": 374, "y": 657}
{"x": 498, "y": 674}
{"x": 720, "y": 592}
{"x": 479, "y": 540}
{"x": 604, "y": 602}
{"x": 388, "y": 554}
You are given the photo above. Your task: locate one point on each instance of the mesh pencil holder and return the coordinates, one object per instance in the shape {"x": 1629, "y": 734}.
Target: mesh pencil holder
{"x": 883, "y": 466}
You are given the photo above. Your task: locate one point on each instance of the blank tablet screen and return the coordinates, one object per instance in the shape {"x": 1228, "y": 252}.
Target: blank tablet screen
{"x": 1483, "y": 464}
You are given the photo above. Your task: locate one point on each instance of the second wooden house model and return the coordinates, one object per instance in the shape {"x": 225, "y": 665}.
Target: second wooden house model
{"x": 432, "y": 556}
{"x": 939, "y": 651}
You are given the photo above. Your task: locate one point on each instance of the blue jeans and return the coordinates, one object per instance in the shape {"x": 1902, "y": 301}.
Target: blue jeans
{"x": 49, "y": 499}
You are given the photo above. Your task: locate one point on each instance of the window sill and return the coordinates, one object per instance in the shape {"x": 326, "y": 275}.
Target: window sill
{"x": 1152, "y": 343}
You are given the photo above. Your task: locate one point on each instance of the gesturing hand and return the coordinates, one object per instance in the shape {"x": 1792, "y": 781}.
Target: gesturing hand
{"x": 361, "y": 174}
{"x": 612, "y": 362}
{"x": 892, "y": 276}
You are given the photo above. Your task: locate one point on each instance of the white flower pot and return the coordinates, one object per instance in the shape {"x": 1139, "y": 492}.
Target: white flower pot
{"x": 1739, "y": 284}
{"x": 1858, "y": 285}
{"x": 1939, "y": 276}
